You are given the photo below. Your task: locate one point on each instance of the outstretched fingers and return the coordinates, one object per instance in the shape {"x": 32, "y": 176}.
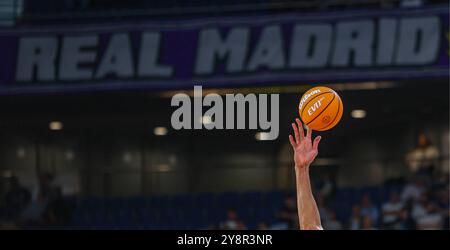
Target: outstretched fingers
{"x": 292, "y": 141}
{"x": 308, "y": 133}
{"x": 300, "y": 128}
{"x": 316, "y": 142}
{"x": 296, "y": 134}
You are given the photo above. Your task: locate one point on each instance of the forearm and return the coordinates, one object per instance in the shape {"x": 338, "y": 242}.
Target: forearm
{"x": 308, "y": 213}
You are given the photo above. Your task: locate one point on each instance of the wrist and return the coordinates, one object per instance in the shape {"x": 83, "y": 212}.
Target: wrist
{"x": 301, "y": 170}
{"x": 301, "y": 166}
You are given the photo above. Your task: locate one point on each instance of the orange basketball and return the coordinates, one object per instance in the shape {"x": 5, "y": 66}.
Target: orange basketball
{"x": 320, "y": 108}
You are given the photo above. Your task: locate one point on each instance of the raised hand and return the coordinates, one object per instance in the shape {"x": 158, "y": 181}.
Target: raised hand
{"x": 304, "y": 150}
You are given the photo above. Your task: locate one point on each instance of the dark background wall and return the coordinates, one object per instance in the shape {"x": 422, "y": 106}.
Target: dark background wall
{"x": 107, "y": 148}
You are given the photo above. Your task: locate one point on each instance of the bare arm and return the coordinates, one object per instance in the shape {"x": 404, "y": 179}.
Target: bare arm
{"x": 304, "y": 154}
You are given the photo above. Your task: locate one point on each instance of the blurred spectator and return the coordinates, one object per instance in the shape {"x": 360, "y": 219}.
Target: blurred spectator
{"x": 332, "y": 223}
{"x": 431, "y": 219}
{"x": 405, "y": 220}
{"x": 367, "y": 223}
{"x": 419, "y": 207}
{"x": 16, "y": 199}
{"x": 57, "y": 211}
{"x": 232, "y": 222}
{"x": 328, "y": 187}
{"x": 424, "y": 157}
{"x": 211, "y": 227}
{"x": 46, "y": 189}
{"x": 429, "y": 211}
{"x": 368, "y": 209}
{"x": 44, "y": 194}
{"x": 440, "y": 182}
{"x": 262, "y": 226}
{"x": 241, "y": 226}
{"x": 355, "y": 219}
{"x": 323, "y": 208}
{"x": 443, "y": 196}
{"x": 288, "y": 213}
{"x": 413, "y": 190}
{"x": 391, "y": 211}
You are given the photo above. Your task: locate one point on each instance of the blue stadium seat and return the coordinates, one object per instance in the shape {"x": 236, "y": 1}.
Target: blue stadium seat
{"x": 202, "y": 210}
{"x": 228, "y": 200}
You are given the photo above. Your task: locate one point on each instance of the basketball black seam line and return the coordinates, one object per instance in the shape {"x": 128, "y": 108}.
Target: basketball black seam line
{"x": 334, "y": 96}
{"x": 339, "y": 108}
{"x": 337, "y": 113}
{"x": 304, "y": 105}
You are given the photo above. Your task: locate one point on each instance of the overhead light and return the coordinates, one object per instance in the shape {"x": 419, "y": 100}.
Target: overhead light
{"x": 163, "y": 167}
{"x": 70, "y": 155}
{"x": 7, "y": 173}
{"x": 160, "y": 131}
{"x": 55, "y": 125}
{"x": 127, "y": 157}
{"x": 358, "y": 113}
{"x": 262, "y": 136}
{"x": 20, "y": 153}
{"x": 173, "y": 159}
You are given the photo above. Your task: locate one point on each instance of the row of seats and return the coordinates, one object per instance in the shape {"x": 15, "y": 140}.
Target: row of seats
{"x": 181, "y": 211}
{"x": 202, "y": 210}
